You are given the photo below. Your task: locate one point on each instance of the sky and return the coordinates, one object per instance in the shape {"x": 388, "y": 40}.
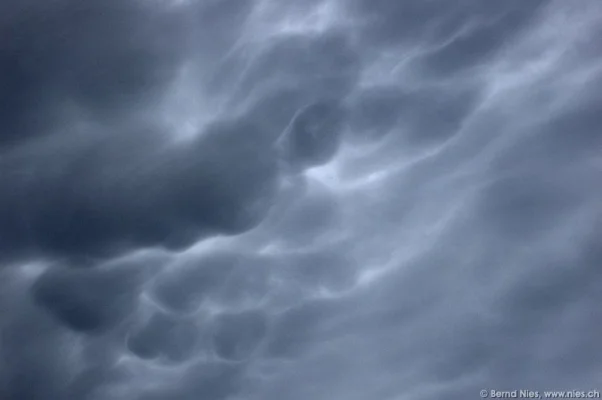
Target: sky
{"x": 299, "y": 199}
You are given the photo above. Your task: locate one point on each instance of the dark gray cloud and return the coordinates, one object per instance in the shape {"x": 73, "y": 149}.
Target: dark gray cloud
{"x": 251, "y": 199}
{"x": 110, "y": 193}
{"x": 100, "y": 58}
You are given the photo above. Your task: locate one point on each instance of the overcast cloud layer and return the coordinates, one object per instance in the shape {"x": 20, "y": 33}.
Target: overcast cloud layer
{"x": 299, "y": 199}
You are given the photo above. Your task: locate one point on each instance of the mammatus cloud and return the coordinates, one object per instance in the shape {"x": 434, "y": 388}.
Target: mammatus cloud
{"x": 325, "y": 199}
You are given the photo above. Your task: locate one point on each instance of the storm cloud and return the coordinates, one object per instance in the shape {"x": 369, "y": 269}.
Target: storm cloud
{"x": 257, "y": 199}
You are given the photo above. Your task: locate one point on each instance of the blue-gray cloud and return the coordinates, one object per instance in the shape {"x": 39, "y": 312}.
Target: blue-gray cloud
{"x": 262, "y": 199}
